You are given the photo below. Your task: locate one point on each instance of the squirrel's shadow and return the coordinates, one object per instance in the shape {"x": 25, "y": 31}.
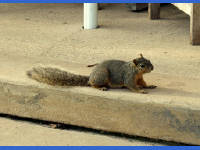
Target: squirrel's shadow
{"x": 173, "y": 92}
{"x": 164, "y": 91}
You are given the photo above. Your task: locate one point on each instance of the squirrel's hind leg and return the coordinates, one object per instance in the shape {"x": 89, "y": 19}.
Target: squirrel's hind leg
{"x": 99, "y": 79}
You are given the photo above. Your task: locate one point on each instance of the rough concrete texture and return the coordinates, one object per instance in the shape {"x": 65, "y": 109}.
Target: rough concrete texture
{"x": 51, "y": 34}
{"x": 27, "y": 134}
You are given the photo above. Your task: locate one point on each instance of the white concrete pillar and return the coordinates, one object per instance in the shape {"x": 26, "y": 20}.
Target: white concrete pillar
{"x": 90, "y": 16}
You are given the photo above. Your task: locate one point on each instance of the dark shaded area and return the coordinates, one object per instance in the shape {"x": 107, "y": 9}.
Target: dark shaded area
{"x": 63, "y": 126}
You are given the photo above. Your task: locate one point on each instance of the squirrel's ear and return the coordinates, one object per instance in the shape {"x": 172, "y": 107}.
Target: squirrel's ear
{"x": 135, "y": 62}
{"x": 141, "y": 55}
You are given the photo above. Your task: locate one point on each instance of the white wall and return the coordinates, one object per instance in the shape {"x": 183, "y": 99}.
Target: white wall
{"x": 185, "y": 7}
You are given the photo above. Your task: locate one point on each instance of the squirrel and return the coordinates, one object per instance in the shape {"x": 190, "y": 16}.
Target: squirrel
{"x": 107, "y": 74}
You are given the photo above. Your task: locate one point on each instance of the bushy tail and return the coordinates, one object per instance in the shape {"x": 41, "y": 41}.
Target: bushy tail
{"x": 54, "y": 76}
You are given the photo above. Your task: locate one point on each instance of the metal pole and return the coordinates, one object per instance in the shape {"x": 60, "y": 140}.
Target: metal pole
{"x": 90, "y": 15}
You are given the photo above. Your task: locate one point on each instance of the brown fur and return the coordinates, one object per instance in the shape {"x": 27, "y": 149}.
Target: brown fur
{"x": 54, "y": 76}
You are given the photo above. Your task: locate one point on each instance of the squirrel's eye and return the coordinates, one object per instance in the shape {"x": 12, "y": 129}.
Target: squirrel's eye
{"x": 142, "y": 66}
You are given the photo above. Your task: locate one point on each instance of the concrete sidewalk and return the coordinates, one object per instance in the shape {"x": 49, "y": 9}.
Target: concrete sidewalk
{"x": 18, "y": 133}
{"x": 51, "y": 34}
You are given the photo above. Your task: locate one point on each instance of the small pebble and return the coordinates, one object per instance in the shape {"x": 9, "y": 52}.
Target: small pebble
{"x": 27, "y": 18}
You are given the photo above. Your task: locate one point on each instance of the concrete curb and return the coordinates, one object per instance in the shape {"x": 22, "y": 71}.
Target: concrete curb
{"x": 147, "y": 119}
